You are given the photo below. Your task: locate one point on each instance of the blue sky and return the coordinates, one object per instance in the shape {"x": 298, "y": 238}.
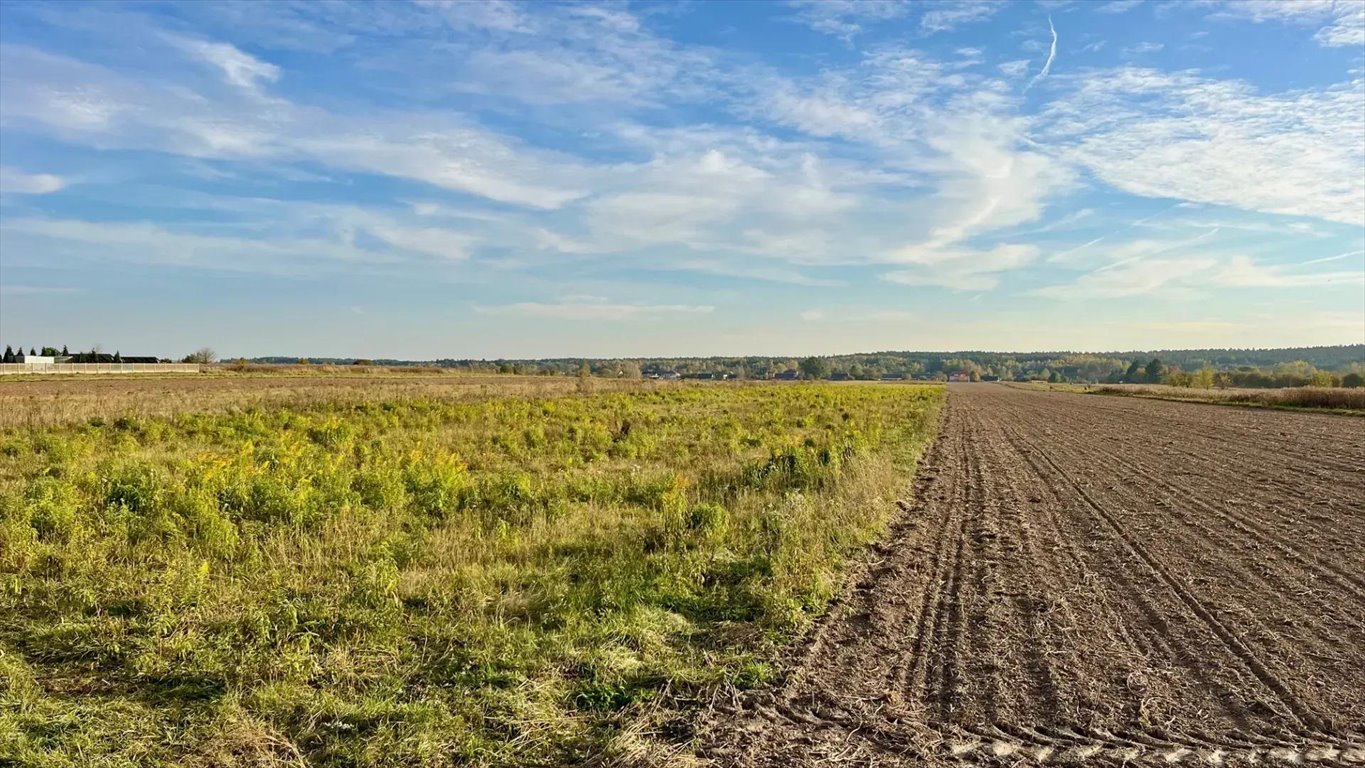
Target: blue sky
{"x": 459, "y": 179}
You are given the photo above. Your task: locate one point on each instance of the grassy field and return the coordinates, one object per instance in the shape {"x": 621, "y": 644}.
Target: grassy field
{"x": 1325, "y": 398}
{"x": 414, "y": 577}
{"x": 1350, "y": 401}
{"x": 44, "y": 401}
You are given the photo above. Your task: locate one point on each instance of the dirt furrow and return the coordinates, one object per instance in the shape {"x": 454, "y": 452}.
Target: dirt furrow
{"x": 1081, "y": 579}
{"x": 1234, "y": 644}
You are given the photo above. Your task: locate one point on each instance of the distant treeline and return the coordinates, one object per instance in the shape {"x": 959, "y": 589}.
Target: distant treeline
{"x": 1294, "y": 366}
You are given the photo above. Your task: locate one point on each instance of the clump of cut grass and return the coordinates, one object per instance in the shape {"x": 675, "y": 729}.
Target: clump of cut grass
{"x": 494, "y": 581}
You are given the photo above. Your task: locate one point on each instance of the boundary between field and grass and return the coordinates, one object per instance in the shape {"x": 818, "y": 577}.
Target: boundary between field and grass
{"x": 1344, "y": 402}
{"x": 1333, "y": 400}
{"x": 911, "y": 451}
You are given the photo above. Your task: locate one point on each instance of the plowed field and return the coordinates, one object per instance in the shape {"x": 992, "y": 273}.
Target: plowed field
{"x": 1095, "y": 580}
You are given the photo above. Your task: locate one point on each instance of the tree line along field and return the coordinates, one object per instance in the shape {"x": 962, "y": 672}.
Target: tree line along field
{"x": 501, "y": 578}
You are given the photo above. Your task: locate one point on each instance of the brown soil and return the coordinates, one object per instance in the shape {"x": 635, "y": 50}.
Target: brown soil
{"x": 1098, "y": 580}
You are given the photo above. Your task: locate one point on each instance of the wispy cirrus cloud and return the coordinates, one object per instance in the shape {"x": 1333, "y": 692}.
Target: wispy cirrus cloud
{"x": 1244, "y": 272}
{"x": 962, "y": 269}
{"x": 1118, "y": 6}
{"x": 1145, "y": 267}
{"x": 1183, "y": 135}
{"x": 846, "y": 18}
{"x": 238, "y": 67}
{"x": 1143, "y": 48}
{"x": 942, "y": 17}
{"x": 1340, "y": 22}
{"x": 16, "y": 182}
{"x": 91, "y": 104}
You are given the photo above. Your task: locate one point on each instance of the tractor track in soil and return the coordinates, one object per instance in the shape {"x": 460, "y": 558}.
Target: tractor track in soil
{"x": 1098, "y": 581}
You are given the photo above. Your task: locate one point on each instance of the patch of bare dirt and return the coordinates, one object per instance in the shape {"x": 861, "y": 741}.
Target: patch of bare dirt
{"x": 1094, "y": 580}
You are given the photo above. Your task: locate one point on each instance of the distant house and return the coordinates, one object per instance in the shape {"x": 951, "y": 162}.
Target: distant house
{"x": 839, "y": 376}
{"x": 959, "y": 376}
{"x": 34, "y": 359}
{"x": 786, "y": 376}
{"x": 892, "y": 377}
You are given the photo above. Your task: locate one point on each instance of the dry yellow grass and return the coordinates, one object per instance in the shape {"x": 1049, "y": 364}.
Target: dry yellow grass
{"x": 1326, "y": 398}
{"x": 56, "y": 400}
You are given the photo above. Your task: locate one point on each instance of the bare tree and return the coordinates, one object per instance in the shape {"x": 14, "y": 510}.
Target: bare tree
{"x": 203, "y": 356}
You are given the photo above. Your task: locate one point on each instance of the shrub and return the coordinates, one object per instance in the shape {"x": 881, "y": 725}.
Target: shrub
{"x": 709, "y": 519}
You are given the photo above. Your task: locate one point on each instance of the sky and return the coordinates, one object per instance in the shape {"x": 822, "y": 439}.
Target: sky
{"x": 497, "y": 180}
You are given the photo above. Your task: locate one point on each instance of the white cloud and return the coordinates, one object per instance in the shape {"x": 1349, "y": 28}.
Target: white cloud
{"x": 1129, "y": 278}
{"x": 846, "y": 18}
{"x": 1119, "y": 6}
{"x": 1144, "y": 267}
{"x": 550, "y": 240}
{"x": 592, "y": 310}
{"x": 282, "y": 238}
{"x": 16, "y": 182}
{"x": 947, "y": 16}
{"x": 714, "y": 201}
{"x": 963, "y": 269}
{"x": 993, "y": 185}
{"x": 1242, "y": 272}
{"x": 819, "y": 113}
{"x": 454, "y": 157}
{"x": 429, "y": 241}
{"x": 1015, "y": 68}
{"x": 1184, "y": 136}
{"x": 758, "y": 272}
{"x": 1348, "y": 29}
{"x": 1088, "y": 253}
{"x": 1343, "y": 21}
{"x": 498, "y": 15}
{"x": 90, "y": 104}
{"x": 239, "y": 68}
{"x": 148, "y": 243}
{"x": 1143, "y": 48}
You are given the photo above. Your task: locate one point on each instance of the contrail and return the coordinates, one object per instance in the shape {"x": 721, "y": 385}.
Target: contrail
{"x": 1331, "y": 258}
{"x": 1051, "y": 54}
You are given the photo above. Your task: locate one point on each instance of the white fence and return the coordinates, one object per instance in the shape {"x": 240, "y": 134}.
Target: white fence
{"x": 11, "y": 368}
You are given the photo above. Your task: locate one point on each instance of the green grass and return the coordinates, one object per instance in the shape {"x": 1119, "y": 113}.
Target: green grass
{"x": 510, "y": 581}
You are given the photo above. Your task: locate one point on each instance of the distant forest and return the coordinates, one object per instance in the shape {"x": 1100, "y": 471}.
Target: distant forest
{"x": 1241, "y": 367}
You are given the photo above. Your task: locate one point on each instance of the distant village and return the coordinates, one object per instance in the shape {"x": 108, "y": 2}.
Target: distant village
{"x": 53, "y": 356}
